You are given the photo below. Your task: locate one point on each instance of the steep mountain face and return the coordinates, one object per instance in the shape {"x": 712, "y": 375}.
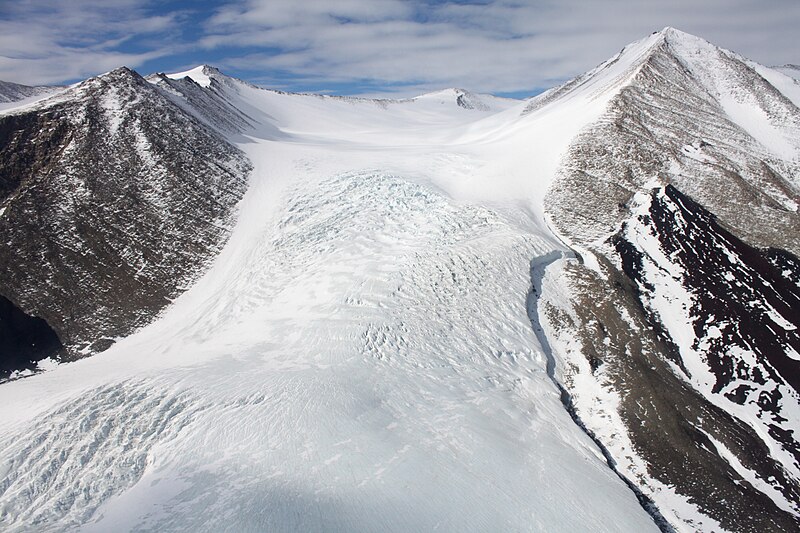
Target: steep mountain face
{"x": 702, "y": 118}
{"x": 209, "y": 101}
{"x": 673, "y": 327}
{"x": 732, "y": 311}
{"x": 112, "y": 198}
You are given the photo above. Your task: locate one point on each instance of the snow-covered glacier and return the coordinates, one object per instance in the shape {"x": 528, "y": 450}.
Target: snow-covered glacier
{"x": 358, "y": 358}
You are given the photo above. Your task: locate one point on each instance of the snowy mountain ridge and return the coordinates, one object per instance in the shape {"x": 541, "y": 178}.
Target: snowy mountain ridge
{"x": 16, "y": 93}
{"x": 451, "y": 311}
{"x": 790, "y": 70}
{"x": 708, "y": 123}
{"x": 96, "y": 182}
{"x": 204, "y": 74}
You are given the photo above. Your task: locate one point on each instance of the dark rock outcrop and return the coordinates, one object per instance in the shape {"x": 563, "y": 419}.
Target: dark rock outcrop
{"x": 743, "y": 316}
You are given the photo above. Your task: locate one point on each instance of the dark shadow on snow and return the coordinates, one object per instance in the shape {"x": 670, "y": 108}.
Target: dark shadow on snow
{"x": 24, "y": 340}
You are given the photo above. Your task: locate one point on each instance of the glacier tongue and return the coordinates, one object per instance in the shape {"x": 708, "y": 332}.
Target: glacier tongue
{"x": 359, "y": 357}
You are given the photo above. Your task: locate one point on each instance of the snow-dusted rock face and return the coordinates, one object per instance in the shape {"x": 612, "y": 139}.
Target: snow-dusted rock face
{"x": 206, "y": 99}
{"x": 699, "y": 117}
{"x": 111, "y": 200}
{"x": 731, "y": 315}
{"x": 674, "y": 328}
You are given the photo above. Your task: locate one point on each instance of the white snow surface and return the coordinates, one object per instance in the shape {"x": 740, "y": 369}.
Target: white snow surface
{"x": 198, "y": 74}
{"x": 358, "y": 358}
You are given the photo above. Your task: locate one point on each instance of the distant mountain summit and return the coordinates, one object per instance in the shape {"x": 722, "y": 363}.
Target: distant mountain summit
{"x": 790, "y": 70}
{"x": 14, "y": 92}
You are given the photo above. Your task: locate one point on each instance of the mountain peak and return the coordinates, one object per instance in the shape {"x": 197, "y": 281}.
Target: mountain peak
{"x": 202, "y": 74}
{"x": 674, "y": 35}
{"x": 122, "y": 74}
{"x": 461, "y": 97}
{"x": 122, "y": 71}
{"x": 677, "y": 40}
{"x": 672, "y": 31}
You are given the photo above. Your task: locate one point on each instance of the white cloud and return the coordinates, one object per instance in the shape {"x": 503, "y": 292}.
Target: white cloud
{"x": 488, "y": 45}
{"x": 494, "y": 46}
{"x": 51, "y": 41}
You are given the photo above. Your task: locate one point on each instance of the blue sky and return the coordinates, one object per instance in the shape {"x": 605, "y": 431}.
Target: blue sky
{"x": 387, "y": 47}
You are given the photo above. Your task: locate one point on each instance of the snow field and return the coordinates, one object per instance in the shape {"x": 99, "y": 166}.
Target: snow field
{"x": 359, "y": 358}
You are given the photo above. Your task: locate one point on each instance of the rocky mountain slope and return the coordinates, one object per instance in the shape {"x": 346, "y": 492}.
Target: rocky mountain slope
{"x": 112, "y": 200}
{"x": 453, "y": 312}
{"x": 694, "y": 346}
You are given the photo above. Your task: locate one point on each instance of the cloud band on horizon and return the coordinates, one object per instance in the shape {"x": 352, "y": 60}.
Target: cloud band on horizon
{"x": 399, "y": 47}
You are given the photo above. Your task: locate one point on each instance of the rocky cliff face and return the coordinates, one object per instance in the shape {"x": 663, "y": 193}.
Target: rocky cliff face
{"x": 699, "y": 117}
{"x": 681, "y": 325}
{"x": 112, "y": 198}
